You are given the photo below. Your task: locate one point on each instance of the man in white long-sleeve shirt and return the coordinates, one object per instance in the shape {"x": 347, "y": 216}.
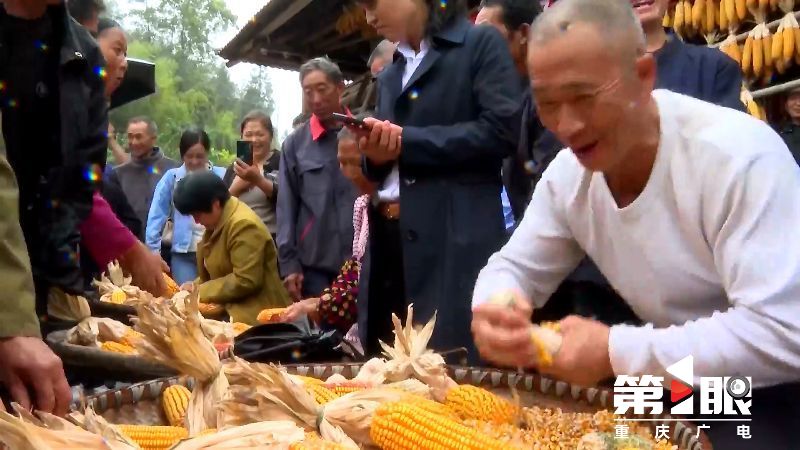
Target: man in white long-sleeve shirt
{"x": 689, "y": 209}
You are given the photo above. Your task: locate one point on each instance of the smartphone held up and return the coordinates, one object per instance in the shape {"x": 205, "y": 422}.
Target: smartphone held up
{"x": 244, "y": 151}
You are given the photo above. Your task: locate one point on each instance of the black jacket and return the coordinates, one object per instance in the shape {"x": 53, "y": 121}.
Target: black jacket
{"x": 64, "y": 188}
{"x": 460, "y": 118}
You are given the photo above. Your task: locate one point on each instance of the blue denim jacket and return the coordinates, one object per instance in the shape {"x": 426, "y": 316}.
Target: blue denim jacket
{"x": 162, "y": 209}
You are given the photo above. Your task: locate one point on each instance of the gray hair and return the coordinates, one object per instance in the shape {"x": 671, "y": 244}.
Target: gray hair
{"x": 383, "y": 50}
{"x": 152, "y": 128}
{"x": 324, "y": 65}
{"x": 615, "y": 20}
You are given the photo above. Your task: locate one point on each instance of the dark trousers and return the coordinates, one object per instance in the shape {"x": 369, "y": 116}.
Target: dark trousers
{"x": 387, "y": 293}
{"x": 315, "y": 281}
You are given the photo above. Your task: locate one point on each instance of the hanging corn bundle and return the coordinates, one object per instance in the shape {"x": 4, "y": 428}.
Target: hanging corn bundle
{"x": 174, "y": 337}
{"x": 786, "y": 44}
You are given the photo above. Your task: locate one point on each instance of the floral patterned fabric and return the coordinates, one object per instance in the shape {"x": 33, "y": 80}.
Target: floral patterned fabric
{"x": 337, "y": 306}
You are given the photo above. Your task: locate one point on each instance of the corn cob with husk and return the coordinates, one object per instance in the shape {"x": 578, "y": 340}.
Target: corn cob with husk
{"x": 174, "y": 337}
{"x": 410, "y": 357}
{"x": 47, "y": 432}
{"x": 90, "y": 331}
{"x": 669, "y": 17}
{"x": 272, "y": 394}
{"x": 115, "y": 287}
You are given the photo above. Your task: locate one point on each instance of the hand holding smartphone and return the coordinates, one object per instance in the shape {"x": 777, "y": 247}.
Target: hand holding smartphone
{"x": 350, "y": 121}
{"x": 244, "y": 151}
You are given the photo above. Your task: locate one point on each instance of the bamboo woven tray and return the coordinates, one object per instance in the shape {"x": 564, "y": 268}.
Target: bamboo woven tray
{"x": 140, "y": 403}
{"x": 102, "y": 364}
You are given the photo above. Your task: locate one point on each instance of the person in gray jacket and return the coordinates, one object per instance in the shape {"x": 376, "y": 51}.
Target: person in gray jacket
{"x": 139, "y": 176}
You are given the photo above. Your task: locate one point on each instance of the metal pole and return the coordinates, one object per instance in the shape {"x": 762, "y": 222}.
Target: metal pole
{"x": 772, "y": 27}
{"x": 777, "y": 89}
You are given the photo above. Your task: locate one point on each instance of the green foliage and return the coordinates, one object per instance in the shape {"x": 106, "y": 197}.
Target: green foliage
{"x": 192, "y": 83}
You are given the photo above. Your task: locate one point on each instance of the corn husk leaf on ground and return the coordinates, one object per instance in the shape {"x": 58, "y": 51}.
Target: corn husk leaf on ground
{"x": 259, "y": 435}
{"x": 174, "y": 337}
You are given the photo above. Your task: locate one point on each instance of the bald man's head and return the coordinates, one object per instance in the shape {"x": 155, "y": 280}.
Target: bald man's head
{"x": 614, "y": 20}
{"x": 591, "y": 78}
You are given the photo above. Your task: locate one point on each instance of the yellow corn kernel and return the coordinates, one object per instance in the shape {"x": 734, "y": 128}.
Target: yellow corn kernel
{"x": 239, "y": 328}
{"x": 472, "y": 402}
{"x": 210, "y": 309}
{"x": 118, "y": 296}
{"x": 131, "y": 337}
{"x": 320, "y": 393}
{"x": 175, "y": 401}
{"x": 116, "y": 347}
{"x": 308, "y": 380}
{"x": 172, "y": 286}
{"x": 401, "y": 426}
{"x": 340, "y": 389}
{"x": 154, "y": 437}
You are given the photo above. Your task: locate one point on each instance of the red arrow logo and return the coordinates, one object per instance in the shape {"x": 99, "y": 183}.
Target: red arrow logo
{"x": 679, "y": 391}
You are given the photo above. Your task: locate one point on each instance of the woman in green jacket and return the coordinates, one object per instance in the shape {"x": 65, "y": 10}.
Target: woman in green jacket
{"x": 236, "y": 259}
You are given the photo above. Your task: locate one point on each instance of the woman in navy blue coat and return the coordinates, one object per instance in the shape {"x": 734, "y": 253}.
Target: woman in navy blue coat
{"x": 449, "y": 109}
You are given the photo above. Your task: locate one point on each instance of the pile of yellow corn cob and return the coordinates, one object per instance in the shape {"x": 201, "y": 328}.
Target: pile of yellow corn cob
{"x": 403, "y": 401}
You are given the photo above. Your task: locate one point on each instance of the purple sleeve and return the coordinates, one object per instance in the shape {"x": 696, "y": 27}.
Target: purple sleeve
{"x": 103, "y": 235}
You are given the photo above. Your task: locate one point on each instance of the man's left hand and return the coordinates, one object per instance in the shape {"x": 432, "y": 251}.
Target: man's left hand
{"x": 583, "y": 358}
{"x": 248, "y": 173}
{"x": 382, "y": 142}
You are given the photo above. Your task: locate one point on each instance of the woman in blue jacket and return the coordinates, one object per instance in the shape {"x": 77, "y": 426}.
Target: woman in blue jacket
{"x": 194, "y": 149}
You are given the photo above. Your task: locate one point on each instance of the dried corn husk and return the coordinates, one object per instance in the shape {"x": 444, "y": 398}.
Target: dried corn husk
{"x": 62, "y": 306}
{"x": 175, "y": 338}
{"x": 259, "y": 435}
{"x": 51, "y": 433}
{"x": 92, "y": 331}
{"x": 114, "y": 279}
{"x": 272, "y": 394}
{"x": 410, "y": 356}
{"x": 96, "y": 424}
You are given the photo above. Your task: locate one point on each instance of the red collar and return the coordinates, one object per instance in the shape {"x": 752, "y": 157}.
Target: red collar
{"x": 317, "y": 128}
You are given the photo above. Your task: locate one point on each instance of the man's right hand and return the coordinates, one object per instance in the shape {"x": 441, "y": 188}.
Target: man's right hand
{"x": 28, "y": 366}
{"x": 294, "y": 284}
